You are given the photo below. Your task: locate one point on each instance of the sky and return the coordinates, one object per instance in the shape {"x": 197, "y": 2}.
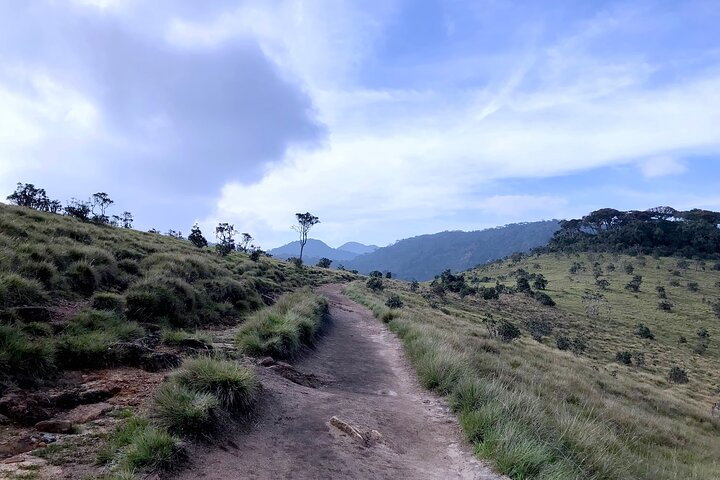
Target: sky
{"x": 385, "y": 118}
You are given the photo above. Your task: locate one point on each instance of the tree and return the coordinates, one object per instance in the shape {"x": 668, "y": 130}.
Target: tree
{"x": 78, "y": 209}
{"x": 126, "y": 220}
{"x": 101, "y": 201}
{"x": 225, "y": 234}
{"x": 305, "y": 223}
{"x": 324, "y": 263}
{"x": 540, "y": 282}
{"x": 172, "y": 233}
{"x": 196, "y": 237}
{"x": 245, "y": 240}
{"x": 27, "y": 195}
{"x": 388, "y": 274}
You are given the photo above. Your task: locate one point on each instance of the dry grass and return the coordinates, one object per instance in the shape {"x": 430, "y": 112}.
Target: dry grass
{"x": 538, "y": 412}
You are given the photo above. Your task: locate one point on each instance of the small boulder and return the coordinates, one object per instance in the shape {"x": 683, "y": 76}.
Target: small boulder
{"x": 160, "y": 361}
{"x": 86, "y": 413}
{"x": 54, "y": 426}
{"x": 25, "y": 408}
{"x": 194, "y": 344}
{"x": 266, "y": 362}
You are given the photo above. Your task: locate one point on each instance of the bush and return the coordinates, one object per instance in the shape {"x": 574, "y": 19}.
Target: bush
{"x": 508, "y": 331}
{"x": 375, "y": 274}
{"x": 375, "y": 284}
{"x": 693, "y": 286}
{"x": 394, "y": 301}
{"x": 634, "y": 284}
{"x": 185, "y": 411}
{"x": 17, "y": 291}
{"x": 414, "y": 286}
{"x": 623, "y": 357}
{"x": 324, "y": 263}
{"x": 563, "y": 343}
{"x": 82, "y": 277}
{"x": 677, "y": 375}
{"x": 108, "y": 301}
{"x": 43, "y": 271}
{"x": 643, "y": 331}
{"x": 544, "y": 299}
{"x": 234, "y": 386}
{"x": 602, "y": 283}
{"x": 85, "y": 350}
{"x": 665, "y": 306}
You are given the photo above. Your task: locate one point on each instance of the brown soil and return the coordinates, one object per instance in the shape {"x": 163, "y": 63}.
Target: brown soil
{"x": 386, "y": 426}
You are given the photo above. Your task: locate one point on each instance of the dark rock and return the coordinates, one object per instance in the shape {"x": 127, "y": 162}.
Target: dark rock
{"x": 54, "y": 426}
{"x": 194, "y": 344}
{"x": 160, "y": 361}
{"x": 4, "y": 420}
{"x": 83, "y": 395}
{"x": 26, "y": 408}
{"x": 16, "y": 446}
{"x": 128, "y": 353}
{"x": 266, "y": 362}
{"x": 48, "y": 438}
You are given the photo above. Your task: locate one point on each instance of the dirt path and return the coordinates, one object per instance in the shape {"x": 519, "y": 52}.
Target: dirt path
{"x": 369, "y": 385}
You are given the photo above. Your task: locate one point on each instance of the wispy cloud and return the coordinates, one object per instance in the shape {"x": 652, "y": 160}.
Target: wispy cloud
{"x": 661, "y": 166}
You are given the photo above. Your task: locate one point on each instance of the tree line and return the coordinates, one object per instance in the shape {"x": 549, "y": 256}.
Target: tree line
{"x": 662, "y": 231}
{"x": 92, "y": 210}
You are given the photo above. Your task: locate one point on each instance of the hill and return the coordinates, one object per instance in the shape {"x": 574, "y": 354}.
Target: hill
{"x": 607, "y": 383}
{"x": 314, "y": 250}
{"x": 103, "y": 321}
{"x": 357, "y": 248}
{"x": 424, "y": 256}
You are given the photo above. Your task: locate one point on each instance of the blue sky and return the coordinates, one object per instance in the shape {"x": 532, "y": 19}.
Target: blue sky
{"x": 386, "y": 119}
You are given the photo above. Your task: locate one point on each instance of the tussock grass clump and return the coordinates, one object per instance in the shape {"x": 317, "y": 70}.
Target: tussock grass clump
{"x": 158, "y": 300}
{"x": 82, "y": 277}
{"x": 281, "y": 330}
{"x": 175, "y": 337}
{"x": 108, "y": 301}
{"x": 185, "y": 411}
{"x": 136, "y": 444}
{"x": 233, "y": 385}
{"x": 23, "y": 354}
{"x": 17, "y": 291}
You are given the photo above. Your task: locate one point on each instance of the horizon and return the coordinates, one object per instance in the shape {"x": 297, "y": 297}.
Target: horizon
{"x": 387, "y": 120}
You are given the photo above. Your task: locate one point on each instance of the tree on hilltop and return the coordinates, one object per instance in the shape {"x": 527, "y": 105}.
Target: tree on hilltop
{"x": 305, "y": 223}
{"x": 196, "y": 237}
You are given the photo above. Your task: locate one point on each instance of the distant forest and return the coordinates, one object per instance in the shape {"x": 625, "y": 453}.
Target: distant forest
{"x": 659, "y": 231}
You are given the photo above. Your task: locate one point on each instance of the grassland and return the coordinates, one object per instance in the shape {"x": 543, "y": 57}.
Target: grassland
{"x": 70, "y": 290}
{"x": 537, "y": 411}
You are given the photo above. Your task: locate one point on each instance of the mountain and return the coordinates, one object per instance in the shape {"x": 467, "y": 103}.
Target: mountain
{"x": 314, "y": 250}
{"x": 423, "y": 257}
{"x": 357, "y": 248}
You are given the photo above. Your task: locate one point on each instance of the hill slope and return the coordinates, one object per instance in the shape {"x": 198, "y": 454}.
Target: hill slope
{"x": 609, "y": 383}
{"x": 423, "y": 257}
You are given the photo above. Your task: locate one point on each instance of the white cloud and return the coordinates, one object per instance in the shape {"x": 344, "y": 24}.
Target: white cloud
{"x": 661, "y": 166}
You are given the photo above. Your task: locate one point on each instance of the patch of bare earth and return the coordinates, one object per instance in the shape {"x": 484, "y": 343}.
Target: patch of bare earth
{"x": 351, "y": 408}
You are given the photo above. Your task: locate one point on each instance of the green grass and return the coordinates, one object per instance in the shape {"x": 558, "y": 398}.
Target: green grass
{"x": 56, "y": 262}
{"x": 138, "y": 445}
{"x": 175, "y": 337}
{"x": 537, "y": 412}
{"x": 282, "y": 330}
{"x": 185, "y": 411}
{"x": 234, "y": 386}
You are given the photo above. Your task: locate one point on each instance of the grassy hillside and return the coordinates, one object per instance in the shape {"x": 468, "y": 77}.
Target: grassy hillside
{"x": 603, "y": 407}
{"x": 69, "y": 290}
{"x": 423, "y": 257}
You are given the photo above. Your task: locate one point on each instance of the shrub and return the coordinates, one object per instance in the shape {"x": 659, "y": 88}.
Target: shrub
{"x": 602, "y": 283}
{"x": 623, "y": 357}
{"x": 43, "y": 271}
{"x": 634, "y": 284}
{"x": 414, "y": 286}
{"x": 540, "y": 282}
{"x": 489, "y": 293}
{"x": 661, "y": 291}
{"x": 508, "y": 331}
{"x": 643, "y": 331}
{"x": 17, "y": 291}
{"x": 375, "y": 284}
{"x": 185, "y": 411}
{"x": 579, "y": 345}
{"x": 674, "y": 283}
{"x": 388, "y": 275}
{"x": 394, "y": 301}
{"x": 234, "y": 386}
{"x": 375, "y": 274}
{"x": 324, "y": 263}
{"x": 677, "y": 375}
{"x": 629, "y": 269}
{"x": 639, "y": 359}
{"x": 693, "y": 286}
{"x": 563, "y": 343}
{"x": 82, "y": 277}
{"x": 108, "y": 301}
{"x": 665, "y": 306}
{"x": 544, "y": 299}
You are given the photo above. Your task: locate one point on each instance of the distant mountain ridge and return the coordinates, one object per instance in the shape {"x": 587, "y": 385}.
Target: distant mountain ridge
{"x": 423, "y": 257}
{"x": 317, "y": 249}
